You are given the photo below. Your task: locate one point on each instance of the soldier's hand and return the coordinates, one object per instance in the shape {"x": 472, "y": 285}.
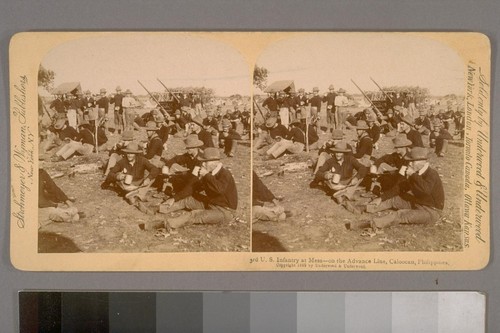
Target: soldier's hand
{"x": 203, "y": 171}
{"x": 376, "y": 201}
{"x": 120, "y": 176}
{"x": 410, "y": 171}
{"x": 328, "y": 175}
{"x": 146, "y": 182}
{"x": 169, "y": 202}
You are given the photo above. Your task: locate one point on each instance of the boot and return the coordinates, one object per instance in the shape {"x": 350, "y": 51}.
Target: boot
{"x": 385, "y": 221}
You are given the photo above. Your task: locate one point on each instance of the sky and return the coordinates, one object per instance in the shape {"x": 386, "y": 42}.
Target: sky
{"x": 390, "y": 59}
{"x": 178, "y": 61}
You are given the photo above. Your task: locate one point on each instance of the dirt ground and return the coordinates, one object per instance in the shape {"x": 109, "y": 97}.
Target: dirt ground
{"x": 318, "y": 223}
{"x": 112, "y": 225}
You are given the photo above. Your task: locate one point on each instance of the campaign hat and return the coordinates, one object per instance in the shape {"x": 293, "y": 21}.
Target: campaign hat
{"x": 198, "y": 121}
{"x": 337, "y": 134}
{"x": 128, "y": 92}
{"x": 401, "y": 141}
{"x": 331, "y": 87}
{"x": 59, "y": 123}
{"x": 151, "y": 126}
{"x": 132, "y": 148}
{"x": 315, "y": 89}
{"x": 128, "y": 135}
{"x": 416, "y": 154}
{"x": 102, "y": 90}
{"x": 270, "y": 122}
{"x": 176, "y": 168}
{"x": 177, "y": 112}
{"x": 301, "y": 90}
{"x": 407, "y": 119}
{"x": 210, "y": 154}
{"x": 340, "y": 147}
{"x": 192, "y": 141}
{"x": 361, "y": 125}
{"x": 371, "y": 118}
{"x": 342, "y": 90}
{"x": 118, "y": 88}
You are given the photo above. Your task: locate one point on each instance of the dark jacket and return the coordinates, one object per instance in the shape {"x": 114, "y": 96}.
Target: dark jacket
{"x": 345, "y": 170}
{"x": 220, "y": 190}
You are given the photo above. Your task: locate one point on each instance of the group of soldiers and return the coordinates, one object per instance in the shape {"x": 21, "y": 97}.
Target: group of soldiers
{"x": 401, "y": 182}
{"x": 194, "y": 181}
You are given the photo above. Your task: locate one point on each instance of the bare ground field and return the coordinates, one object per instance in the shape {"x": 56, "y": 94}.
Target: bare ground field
{"x": 318, "y": 223}
{"x": 112, "y": 225}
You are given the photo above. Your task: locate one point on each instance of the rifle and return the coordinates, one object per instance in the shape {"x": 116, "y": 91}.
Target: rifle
{"x": 165, "y": 113}
{"x": 168, "y": 90}
{"x": 258, "y": 108}
{"x": 45, "y": 109}
{"x": 385, "y": 94}
{"x": 369, "y": 100}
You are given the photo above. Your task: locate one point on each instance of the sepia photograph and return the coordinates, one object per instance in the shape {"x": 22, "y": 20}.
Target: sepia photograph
{"x": 359, "y": 145}
{"x": 143, "y": 146}
{"x": 249, "y": 151}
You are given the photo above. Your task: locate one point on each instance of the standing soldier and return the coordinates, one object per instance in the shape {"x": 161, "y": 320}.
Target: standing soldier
{"x": 300, "y": 104}
{"x": 331, "y": 117}
{"x": 341, "y": 104}
{"x": 89, "y": 105}
{"x": 102, "y": 111}
{"x": 271, "y": 104}
{"x": 284, "y": 109}
{"x": 58, "y": 106}
{"x": 129, "y": 104}
{"x": 439, "y": 138}
{"x": 118, "y": 112}
{"x": 315, "y": 103}
{"x": 74, "y": 105}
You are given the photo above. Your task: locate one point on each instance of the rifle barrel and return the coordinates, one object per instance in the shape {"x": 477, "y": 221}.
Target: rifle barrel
{"x": 385, "y": 94}
{"x": 155, "y": 99}
{"x": 369, "y": 100}
{"x": 168, "y": 90}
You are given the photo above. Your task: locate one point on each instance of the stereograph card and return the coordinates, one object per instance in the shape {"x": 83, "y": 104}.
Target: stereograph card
{"x": 250, "y": 151}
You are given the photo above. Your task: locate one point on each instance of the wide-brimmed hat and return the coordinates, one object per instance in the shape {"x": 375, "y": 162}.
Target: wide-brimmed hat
{"x": 296, "y": 121}
{"x": 437, "y": 123}
{"x": 407, "y": 119}
{"x": 128, "y": 92}
{"x": 390, "y": 111}
{"x": 361, "y": 125}
{"x": 315, "y": 89}
{"x": 210, "y": 154}
{"x": 398, "y": 107}
{"x": 59, "y": 123}
{"x": 177, "y": 112}
{"x": 371, "y": 118}
{"x": 331, "y": 87}
{"x": 151, "y": 126}
{"x": 128, "y": 135}
{"x": 184, "y": 108}
{"x": 159, "y": 118}
{"x": 198, "y": 121}
{"x": 337, "y": 134}
{"x": 416, "y": 154}
{"x": 192, "y": 141}
{"x": 118, "y": 88}
{"x": 301, "y": 90}
{"x": 102, "y": 91}
{"x": 84, "y": 122}
{"x": 226, "y": 123}
{"x": 341, "y": 90}
{"x": 401, "y": 141}
{"x": 340, "y": 147}
{"x": 270, "y": 122}
{"x": 87, "y": 92}
{"x": 132, "y": 148}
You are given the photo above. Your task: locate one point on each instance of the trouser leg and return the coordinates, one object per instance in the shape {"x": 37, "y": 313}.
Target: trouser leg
{"x": 50, "y": 188}
{"x": 263, "y": 213}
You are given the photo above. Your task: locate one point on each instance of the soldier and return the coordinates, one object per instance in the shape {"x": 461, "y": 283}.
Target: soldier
{"x": 364, "y": 145}
{"x": 324, "y": 152}
{"x": 59, "y": 106}
{"x": 422, "y": 123}
{"x": 300, "y": 104}
{"x": 129, "y": 175}
{"x": 340, "y": 170}
{"x": 439, "y": 138}
{"x": 425, "y": 203}
{"x": 271, "y": 104}
{"x": 129, "y": 104}
{"x": 74, "y": 105}
{"x": 284, "y": 109}
{"x": 341, "y": 104}
{"x": 293, "y": 143}
{"x": 103, "y": 107}
{"x": 331, "y": 116}
{"x": 215, "y": 198}
{"x": 315, "y": 103}
{"x": 115, "y": 153}
{"x": 154, "y": 148}
{"x": 373, "y": 130}
{"x": 268, "y": 136}
{"x": 118, "y": 110}
{"x": 83, "y": 144}
{"x": 228, "y": 139}
{"x": 459, "y": 120}
{"x": 406, "y": 127}
{"x": 88, "y": 108}
{"x": 265, "y": 206}
{"x": 203, "y": 134}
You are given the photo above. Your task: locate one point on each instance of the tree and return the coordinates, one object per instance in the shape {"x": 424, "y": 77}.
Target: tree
{"x": 46, "y": 78}
{"x": 260, "y": 77}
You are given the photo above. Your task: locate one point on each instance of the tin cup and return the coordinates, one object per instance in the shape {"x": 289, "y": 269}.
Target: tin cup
{"x": 128, "y": 179}
{"x": 164, "y": 170}
{"x": 336, "y": 178}
{"x": 196, "y": 171}
{"x": 373, "y": 169}
{"x": 402, "y": 171}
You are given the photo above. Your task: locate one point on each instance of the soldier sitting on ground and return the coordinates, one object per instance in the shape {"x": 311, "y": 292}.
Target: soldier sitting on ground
{"x": 268, "y": 134}
{"x": 439, "y": 138}
{"x": 214, "y": 200}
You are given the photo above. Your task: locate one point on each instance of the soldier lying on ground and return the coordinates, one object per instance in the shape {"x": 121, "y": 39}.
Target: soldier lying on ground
{"x": 265, "y": 206}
